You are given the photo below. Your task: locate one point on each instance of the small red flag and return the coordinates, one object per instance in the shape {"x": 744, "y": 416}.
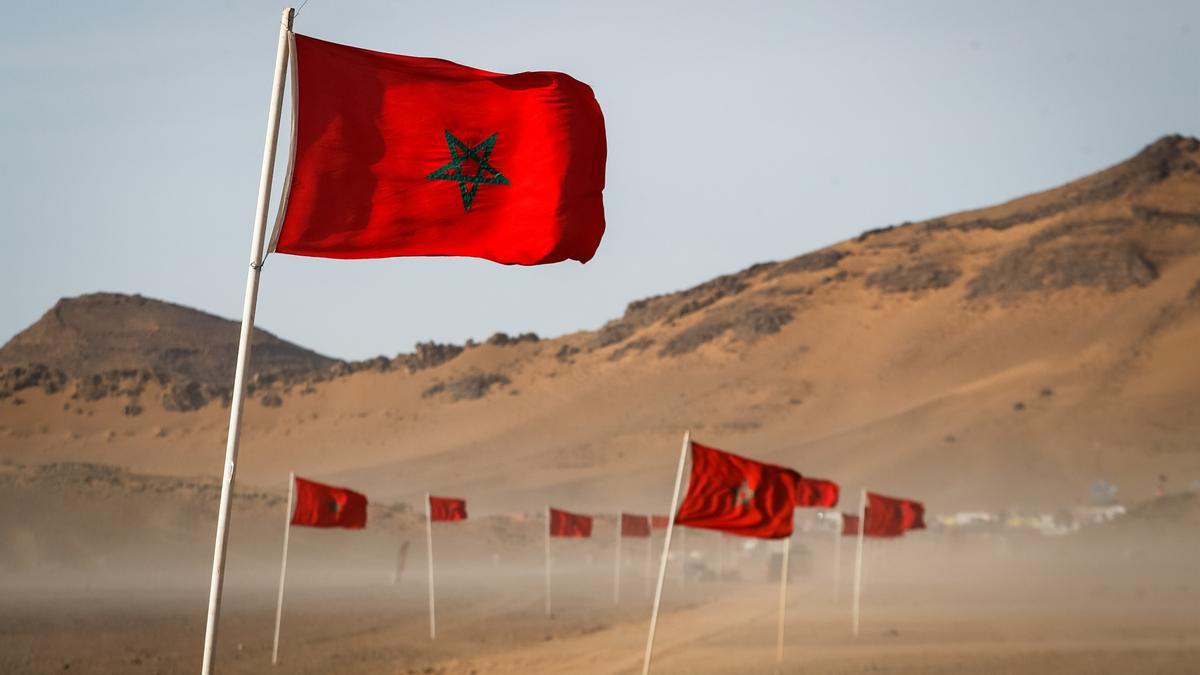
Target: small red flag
{"x": 739, "y": 496}
{"x": 817, "y": 492}
{"x": 634, "y": 526}
{"x": 891, "y": 516}
{"x": 447, "y": 509}
{"x": 849, "y": 525}
{"x": 320, "y": 505}
{"x": 659, "y": 522}
{"x": 404, "y": 156}
{"x": 567, "y": 524}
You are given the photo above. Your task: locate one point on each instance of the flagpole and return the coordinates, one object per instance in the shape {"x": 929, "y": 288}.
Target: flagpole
{"x": 429, "y": 549}
{"x": 720, "y": 560}
{"x": 649, "y": 553}
{"x": 858, "y": 557}
{"x": 287, "y": 530}
{"x": 783, "y": 582}
{"x": 243, "y": 357}
{"x": 837, "y": 562}
{"x": 662, "y": 563}
{"x": 399, "y": 561}
{"x": 617, "y": 574}
{"x": 547, "y": 560}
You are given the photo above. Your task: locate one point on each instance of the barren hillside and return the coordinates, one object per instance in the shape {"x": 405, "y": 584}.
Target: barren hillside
{"x": 1000, "y": 357}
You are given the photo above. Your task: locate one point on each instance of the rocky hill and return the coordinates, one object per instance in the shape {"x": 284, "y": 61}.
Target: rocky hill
{"x": 1006, "y": 355}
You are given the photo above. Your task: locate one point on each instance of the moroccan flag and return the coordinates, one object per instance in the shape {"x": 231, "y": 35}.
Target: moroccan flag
{"x": 320, "y": 505}
{"x": 817, "y": 492}
{"x": 659, "y": 522}
{"x": 849, "y": 525}
{"x": 739, "y": 496}
{"x": 634, "y": 526}
{"x": 447, "y": 509}
{"x": 405, "y": 156}
{"x": 567, "y": 524}
{"x": 892, "y": 517}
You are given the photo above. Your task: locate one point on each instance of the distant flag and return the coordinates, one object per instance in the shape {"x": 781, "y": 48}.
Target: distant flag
{"x": 438, "y": 509}
{"x": 567, "y": 524}
{"x": 817, "y": 492}
{"x": 447, "y": 509}
{"x": 320, "y": 505}
{"x": 634, "y": 526}
{"x": 880, "y": 516}
{"x": 892, "y": 517}
{"x": 313, "y": 504}
{"x": 405, "y": 156}
{"x": 739, "y": 496}
{"x": 659, "y": 522}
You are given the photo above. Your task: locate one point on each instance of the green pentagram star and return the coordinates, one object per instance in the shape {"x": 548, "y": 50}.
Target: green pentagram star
{"x": 743, "y": 493}
{"x": 468, "y": 183}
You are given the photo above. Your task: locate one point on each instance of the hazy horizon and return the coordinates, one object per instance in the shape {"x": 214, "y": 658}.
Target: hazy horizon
{"x": 737, "y": 134}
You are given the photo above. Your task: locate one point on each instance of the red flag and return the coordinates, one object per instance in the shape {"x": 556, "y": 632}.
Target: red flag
{"x": 737, "y": 495}
{"x": 320, "y": 505}
{"x": 892, "y": 517}
{"x": 567, "y": 524}
{"x": 447, "y": 509}
{"x": 404, "y": 156}
{"x": 849, "y": 525}
{"x": 817, "y": 492}
{"x": 634, "y": 526}
{"x": 659, "y": 522}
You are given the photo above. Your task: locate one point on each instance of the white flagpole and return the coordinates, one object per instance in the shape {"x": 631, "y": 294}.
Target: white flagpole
{"x": 837, "y": 561}
{"x": 547, "y": 560}
{"x": 662, "y": 563}
{"x": 783, "y": 581}
{"x": 617, "y": 574}
{"x": 243, "y": 357}
{"x": 287, "y": 530}
{"x": 429, "y": 548}
{"x": 858, "y": 557}
{"x": 646, "y": 570}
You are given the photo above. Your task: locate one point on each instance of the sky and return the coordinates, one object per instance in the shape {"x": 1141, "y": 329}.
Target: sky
{"x": 131, "y": 137}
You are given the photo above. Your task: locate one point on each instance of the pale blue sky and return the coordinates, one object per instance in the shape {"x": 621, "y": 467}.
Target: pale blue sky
{"x": 738, "y": 133}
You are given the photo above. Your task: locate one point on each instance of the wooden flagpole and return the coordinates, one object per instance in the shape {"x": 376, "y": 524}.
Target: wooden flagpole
{"x": 783, "y": 583}
{"x": 547, "y": 560}
{"x": 287, "y": 530}
{"x": 243, "y": 357}
{"x": 429, "y": 548}
{"x": 617, "y": 573}
{"x": 858, "y": 558}
{"x": 662, "y": 563}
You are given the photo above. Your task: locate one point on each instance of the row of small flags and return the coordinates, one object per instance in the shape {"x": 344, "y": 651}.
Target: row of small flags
{"x": 726, "y": 492}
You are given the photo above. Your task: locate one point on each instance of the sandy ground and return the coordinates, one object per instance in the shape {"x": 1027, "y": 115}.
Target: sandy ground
{"x": 931, "y": 605}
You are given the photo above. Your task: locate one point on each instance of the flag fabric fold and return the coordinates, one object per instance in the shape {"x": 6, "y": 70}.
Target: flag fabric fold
{"x": 817, "y": 492}
{"x": 404, "y": 156}
{"x": 892, "y": 516}
{"x": 737, "y": 495}
{"x": 320, "y": 505}
{"x": 447, "y": 509}
{"x": 634, "y": 526}
{"x": 849, "y": 525}
{"x": 567, "y": 524}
